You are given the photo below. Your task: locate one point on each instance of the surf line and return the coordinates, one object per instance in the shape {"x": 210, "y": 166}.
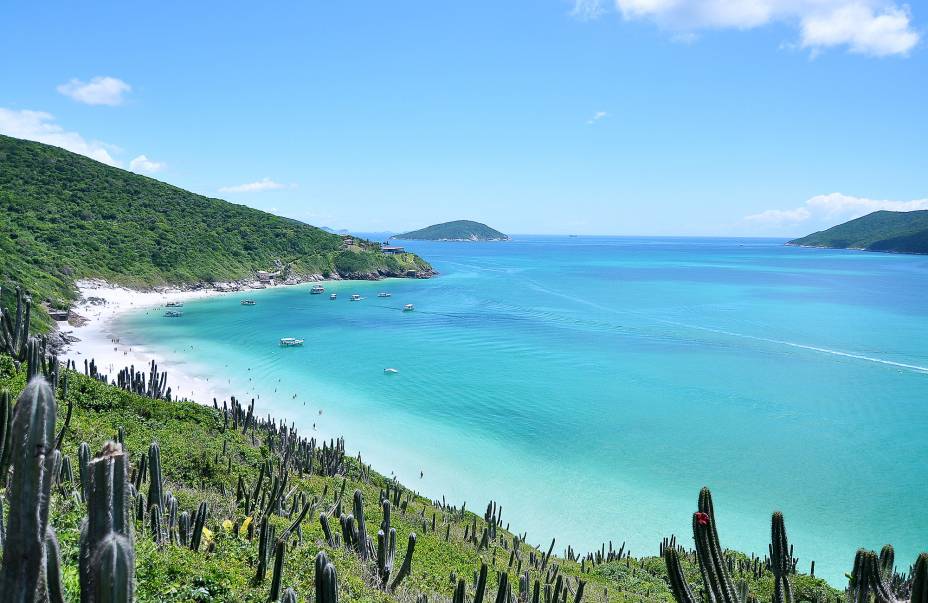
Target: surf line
{"x": 802, "y": 346}
{"x": 792, "y": 344}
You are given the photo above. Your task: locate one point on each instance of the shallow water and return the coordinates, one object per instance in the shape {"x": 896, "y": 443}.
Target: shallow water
{"x": 592, "y": 385}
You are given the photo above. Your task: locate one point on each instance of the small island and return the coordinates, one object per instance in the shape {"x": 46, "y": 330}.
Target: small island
{"x": 889, "y": 231}
{"x": 458, "y": 230}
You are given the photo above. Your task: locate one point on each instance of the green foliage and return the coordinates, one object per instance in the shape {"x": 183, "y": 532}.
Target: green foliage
{"x": 464, "y": 230}
{"x": 64, "y": 216}
{"x": 897, "y": 231}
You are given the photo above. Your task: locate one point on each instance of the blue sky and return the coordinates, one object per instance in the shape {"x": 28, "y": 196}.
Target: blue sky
{"x": 663, "y": 117}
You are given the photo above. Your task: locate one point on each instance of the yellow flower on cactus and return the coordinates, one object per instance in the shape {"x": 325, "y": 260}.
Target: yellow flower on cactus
{"x": 207, "y": 534}
{"x": 227, "y": 525}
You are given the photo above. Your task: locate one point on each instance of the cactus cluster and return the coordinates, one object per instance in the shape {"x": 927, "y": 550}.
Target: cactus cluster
{"x": 14, "y": 329}
{"x": 153, "y": 385}
{"x": 873, "y": 578}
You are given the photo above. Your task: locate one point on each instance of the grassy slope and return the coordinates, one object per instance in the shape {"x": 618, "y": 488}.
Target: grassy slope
{"x": 459, "y": 229}
{"x": 902, "y": 232}
{"x": 64, "y": 216}
{"x": 191, "y": 441}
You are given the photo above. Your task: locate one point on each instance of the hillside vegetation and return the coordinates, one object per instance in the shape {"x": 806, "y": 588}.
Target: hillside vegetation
{"x": 458, "y": 230}
{"x": 64, "y": 217}
{"x": 894, "y": 231}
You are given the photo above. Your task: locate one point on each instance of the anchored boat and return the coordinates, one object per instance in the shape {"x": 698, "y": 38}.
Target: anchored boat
{"x": 383, "y": 294}
{"x": 355, "y": 297}
{"x": 173, "y": 314}
{"x": 248, "y": 302}
{"x": 289, "y": 342}
{"x": 333, "y": 296}
{"x": 317, "y": 289}
{"x": 174, "y": 304}
{"x": 408, "y": 308}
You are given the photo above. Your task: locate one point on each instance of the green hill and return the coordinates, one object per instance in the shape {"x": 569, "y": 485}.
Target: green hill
{"x": 64, "y": 217}
{"x": 895, "y": 231}
{"x": 459, "y": 230}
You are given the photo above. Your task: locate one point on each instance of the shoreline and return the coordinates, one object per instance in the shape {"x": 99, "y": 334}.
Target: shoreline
{"x": 92, "y": 335}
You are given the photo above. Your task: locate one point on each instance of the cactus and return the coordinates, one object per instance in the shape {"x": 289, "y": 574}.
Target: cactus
{"x": 155, "y": 492}
{"x": 107, "y": 555}
{"x": 362, "y": 543}
{"x": 35, "y": 462}
{"x": 289, "y": 596}
{"x": 326, "y": 580}
{"x": 406, "y": 567}
{"x": 14, "y": 333}
{"x": 198, "y": 526}
{"x": 872, "y": 574}
{"x": 6, "y": 435}
{"x": 780, "y": 561}
{"x": 717, "y": 582}
{"x": 279, "y": 553}
{"x": 183, "y": 528}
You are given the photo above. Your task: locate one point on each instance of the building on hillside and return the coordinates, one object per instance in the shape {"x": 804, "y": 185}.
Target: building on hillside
{"x": 392, "y": 249}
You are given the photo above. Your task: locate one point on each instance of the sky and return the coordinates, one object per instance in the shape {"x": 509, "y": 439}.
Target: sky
{"x": 627, "y": 117}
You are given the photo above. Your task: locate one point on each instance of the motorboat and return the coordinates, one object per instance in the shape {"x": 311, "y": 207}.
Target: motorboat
{"x": 173, "y": 314}
{"x": 289, "y": 342}
{"x": 390, "y": 371}
{"x": 317, "y": 289}
{"x": 383, "y": 294}
{"x": 174, "y": 304}
{"x": 408, "y": 308}
{"x": 333, "y": 296}
{"x": 248, "y": 302}
{"x": 356, "y": 297}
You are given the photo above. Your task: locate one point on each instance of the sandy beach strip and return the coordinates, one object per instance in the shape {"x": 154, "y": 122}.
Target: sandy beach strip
{"x": 99, "y": 305}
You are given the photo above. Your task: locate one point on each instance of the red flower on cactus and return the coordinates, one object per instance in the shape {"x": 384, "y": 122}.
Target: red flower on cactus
{"x": 701, "y": 518}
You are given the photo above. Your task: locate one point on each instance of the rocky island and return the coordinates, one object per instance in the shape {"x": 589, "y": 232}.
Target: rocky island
{"x": 458, "y": 230}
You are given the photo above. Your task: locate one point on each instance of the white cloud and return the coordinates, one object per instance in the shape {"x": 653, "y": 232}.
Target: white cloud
{"x": 872, "y": 27}
{"x": 144, "y": 164}
{"x": 823, "y": 211}
{"x": 265, "y": 184}
{"x": 98, "y": 91}
{"x": 596, "y": 117}
{"x": 41, "y": 127}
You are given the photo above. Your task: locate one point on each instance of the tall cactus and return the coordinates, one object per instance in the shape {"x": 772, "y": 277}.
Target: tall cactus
{"x": 156, "y": 485}
{"x": 23, "y": 576}
{"x": 107, "y": 555}
{"x": 717, "y": 582}
{"x": 6, "y": 434}
{"x": 780, "y": 561}
{"x": 326, "y": 580}
{"x": 870, "y": 578}
{"x": 14, "y": 333}
{"x": 362, "y": 545}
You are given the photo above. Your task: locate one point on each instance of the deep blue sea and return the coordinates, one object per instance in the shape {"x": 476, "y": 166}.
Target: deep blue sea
{"x": 592, "y": 385}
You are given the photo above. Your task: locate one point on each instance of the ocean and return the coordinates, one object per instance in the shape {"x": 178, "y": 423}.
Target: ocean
{"x": 592, "y": 385}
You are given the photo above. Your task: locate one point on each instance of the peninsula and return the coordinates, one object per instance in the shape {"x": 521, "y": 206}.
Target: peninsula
{"x": 891, "y": 231}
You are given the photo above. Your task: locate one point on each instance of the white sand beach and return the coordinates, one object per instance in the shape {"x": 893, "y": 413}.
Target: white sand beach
{"x": 100, "y": 303}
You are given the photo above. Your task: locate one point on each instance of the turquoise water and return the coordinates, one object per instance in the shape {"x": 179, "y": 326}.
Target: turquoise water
{"x": 592, "y": 385}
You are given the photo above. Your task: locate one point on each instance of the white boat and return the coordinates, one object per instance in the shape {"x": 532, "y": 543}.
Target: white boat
{"x": 333, "y": 296}
{"x": 408, "y": 308}
{"x": 173, "y": 314}
{"x": 248, "y": 302}
{"x": 390, "y": 371}
{"x": 317, "y": 289}
{"x": 355, "y": 297}
{"x": 290, "y": 342}
{"x": 174, "y": 304}
{"x": 383, "y": 294}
